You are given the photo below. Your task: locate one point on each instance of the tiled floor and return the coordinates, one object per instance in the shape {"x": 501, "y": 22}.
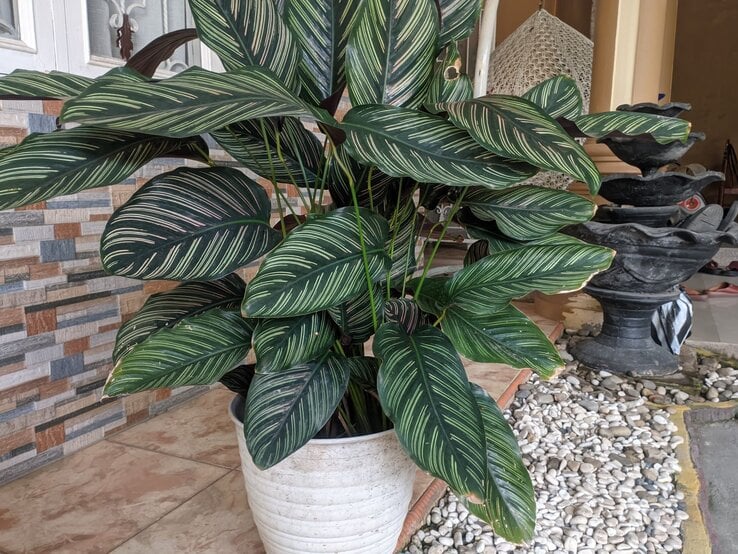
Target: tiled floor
{"x": 170, "y": 484}
{"x": 715, "y": 318}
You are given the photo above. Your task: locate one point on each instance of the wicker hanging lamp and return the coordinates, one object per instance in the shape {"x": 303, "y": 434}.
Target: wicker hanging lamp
{"x": 541, "y": 48}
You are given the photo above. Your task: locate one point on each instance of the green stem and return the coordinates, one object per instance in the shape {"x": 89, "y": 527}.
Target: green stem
{"x": 280, "y": 155}
{"x": 454, "y": 209}
{"x": 365, "y": 259}
{"x": 205, "y": 155}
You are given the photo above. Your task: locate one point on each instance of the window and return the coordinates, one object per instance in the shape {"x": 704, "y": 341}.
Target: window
{"x": 9, "y": 19}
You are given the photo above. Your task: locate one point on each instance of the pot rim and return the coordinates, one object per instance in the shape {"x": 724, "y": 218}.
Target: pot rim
{"x": 322, "y": 442}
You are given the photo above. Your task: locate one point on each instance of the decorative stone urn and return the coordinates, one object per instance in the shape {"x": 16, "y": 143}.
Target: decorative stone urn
{"x": 654, "y": 254}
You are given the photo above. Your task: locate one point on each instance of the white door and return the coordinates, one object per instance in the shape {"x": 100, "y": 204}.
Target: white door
{"x": 27, "y": 35}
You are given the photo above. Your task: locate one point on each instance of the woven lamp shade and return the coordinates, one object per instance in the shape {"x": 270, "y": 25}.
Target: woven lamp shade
{"x": 541, "y": 48}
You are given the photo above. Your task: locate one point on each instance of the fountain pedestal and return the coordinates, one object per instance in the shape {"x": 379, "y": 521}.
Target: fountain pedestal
{"x": 625, "y": 345}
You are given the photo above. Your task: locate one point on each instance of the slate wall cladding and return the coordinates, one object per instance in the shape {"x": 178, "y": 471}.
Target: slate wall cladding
{"x": 59, "y": 313}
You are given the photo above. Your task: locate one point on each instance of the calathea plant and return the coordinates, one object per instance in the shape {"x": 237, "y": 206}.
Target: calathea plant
{"x": 343, "y": 272}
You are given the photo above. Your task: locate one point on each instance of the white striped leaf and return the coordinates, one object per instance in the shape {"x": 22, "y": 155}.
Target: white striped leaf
{"x": 425, "y": 392}
{"x": 189, "y": 224}
{"x": 558, "y": 96}
{"x": 71, "y": 160}
{"x": 509, "y": 500}
{"x": 354, "y": 316}
{"x": 26, "y": 84}
{"x": 504, "y": 336}
{"x": 286, "y": 408}
{"x": 391, "y": 51}
{"x": 322, "y": 30}
{"x": 488, "y": 232}
{"x": 458, "y": 18}
{"x": 363, "y": 371}
{"x": 406, "y": 313}
{"x": 283, "y": 343}
{"x": 529, "y": 212}
{"x": 403, "y": 142}
{"x": 301, "y": 151}
{"x": 448, "y": 83}
{"x": 166, "y": 309}
{"x": 500, "y": 277}
{"x": 192, "y": 102}
{"x": 198, "y": 350}
{"x": 247, "y": 33}
{"x": 663, "y": 129}
{"x": 516, "y": 128}
{"x": 319, "y": 265}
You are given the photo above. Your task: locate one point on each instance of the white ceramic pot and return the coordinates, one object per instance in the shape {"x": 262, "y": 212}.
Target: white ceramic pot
{"x": 332, "y": 496}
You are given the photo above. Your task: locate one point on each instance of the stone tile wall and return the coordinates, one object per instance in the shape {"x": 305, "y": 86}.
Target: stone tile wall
{"x": 59, "y": 313}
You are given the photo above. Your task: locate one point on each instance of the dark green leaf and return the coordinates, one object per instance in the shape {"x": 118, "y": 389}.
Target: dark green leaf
{"x": 558, "y": 96}
{"x": 238, "y": 380}
{"x": 319, "y": 265}
{"x": 198, "y": 350}
{"x": 449, "y": 84}
{"x": 406, "y": 313}
{"x": 424, "y": 390}
{"x": 663, "y": 129}
{"x": 354, "y": 316}
{"x": 189, "y": 224}
{"x": 24, "y": 84}
{"x": 458, "y": 18}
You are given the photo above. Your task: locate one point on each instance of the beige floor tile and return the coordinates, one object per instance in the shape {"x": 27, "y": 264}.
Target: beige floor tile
{"x": 199, "y": 430}
{"x": 216, "y": 520}
{"x": 95, "y": 499}
{"x": 494, "y": 378}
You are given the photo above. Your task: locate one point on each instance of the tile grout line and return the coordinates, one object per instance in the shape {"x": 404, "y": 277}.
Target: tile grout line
{"x": 229, "y": 468}
{"x": 177, "y": 507}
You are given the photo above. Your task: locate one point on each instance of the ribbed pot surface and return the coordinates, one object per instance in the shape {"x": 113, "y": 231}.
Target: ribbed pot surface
{"x": 331, "y": 496}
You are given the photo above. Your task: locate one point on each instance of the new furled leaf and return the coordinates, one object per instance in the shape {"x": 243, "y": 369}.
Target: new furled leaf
{"x": 189, "y": 224}
{"x": 71, "y": 160}
{"x": 198, "y": 350}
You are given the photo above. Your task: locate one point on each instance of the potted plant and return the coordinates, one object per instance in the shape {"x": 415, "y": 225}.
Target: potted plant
{"x": 345, "y": 273}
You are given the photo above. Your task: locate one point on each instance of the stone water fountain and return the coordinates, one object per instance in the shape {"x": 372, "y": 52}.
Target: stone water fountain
{"x": 657, "y": 248}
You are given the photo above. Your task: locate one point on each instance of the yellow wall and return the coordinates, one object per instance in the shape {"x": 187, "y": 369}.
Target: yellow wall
{"x": 706, "y": 74}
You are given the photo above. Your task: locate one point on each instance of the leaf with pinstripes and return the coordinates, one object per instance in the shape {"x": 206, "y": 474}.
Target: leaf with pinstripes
{"x": 401, "y": 244}
{"x": 192, "y": 102}
{"x": 247, "y": 33}
{"x": 516, "y": 128}
{"x": 391, "y": 52}
{"x": 663, "y": 129}
{"x": 363, "y": 371}
{"x": 354, "y": 316}
{"x": 283, "y": 343}
{"x": 24, "y": 84}
{"x": 433, "y": 297}
{"x": 448, "y": 83}
{"x": 286, "y": 408}
{"x": 504, "y": 336}
{"x": 322, "y": 30}
{"x": 239, "y": 379}
{"x": 71, "y": 160}
{"x": 403, "y": 142}
{"x": 529, "y": 212}
{"x": 493, "y": 281}
{"x": 198, "y": 350}
{"x": 189, "y": 224}
{"x": 458, "y": 18}
{"x": 319, "y": 265}
{"x": 425, "y": 392}
{"x": 166, "y": 309}
{"x": 558, "y": 96}
{"x": 476, "y": 252}
{"x": 509, "y": 500}
{"x": 488, "y": 232}
{"x": 406, "y": 313}
{"x": 301, "y": 150}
